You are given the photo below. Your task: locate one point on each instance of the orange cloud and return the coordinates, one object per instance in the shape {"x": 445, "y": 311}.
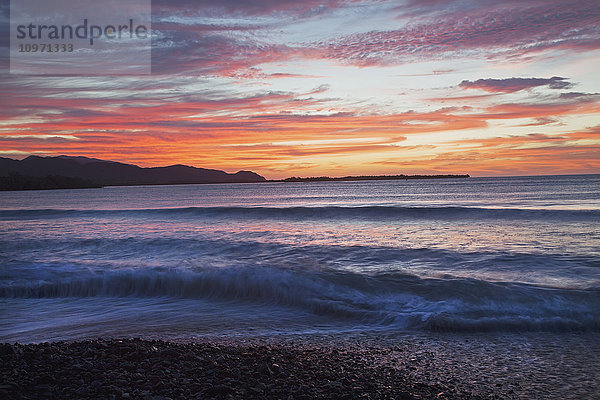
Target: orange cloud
{"x": 279, "y": 132}
{"x": 517, "y": 155}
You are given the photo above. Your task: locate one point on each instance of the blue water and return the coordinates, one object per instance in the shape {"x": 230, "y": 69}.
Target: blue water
{"x": 466, "y": 255}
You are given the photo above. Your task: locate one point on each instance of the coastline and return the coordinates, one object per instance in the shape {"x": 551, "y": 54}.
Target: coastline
{"x": 156, "y": 369}
{"x": 53, "y": 182}
{"x": 371, "y": 178}
{"x": 360, "y": 365}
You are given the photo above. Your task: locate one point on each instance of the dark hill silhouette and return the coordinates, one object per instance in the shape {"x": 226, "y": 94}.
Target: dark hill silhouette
{"x": 16, "y": 181}
{"x": 115, "y": 173}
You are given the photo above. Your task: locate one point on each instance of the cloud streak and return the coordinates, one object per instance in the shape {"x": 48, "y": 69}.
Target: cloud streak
{"x": 219, "y": 131}
{"x": 491, "y": 31}
{"x": 511, "y": 85}
{"x": 284, "y": 86}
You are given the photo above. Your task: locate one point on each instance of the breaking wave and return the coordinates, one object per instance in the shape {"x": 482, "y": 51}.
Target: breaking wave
{"x": 389, "y": 300}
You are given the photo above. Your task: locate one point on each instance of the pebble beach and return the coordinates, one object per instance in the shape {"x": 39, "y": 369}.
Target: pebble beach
{"x": 318, "y": 367}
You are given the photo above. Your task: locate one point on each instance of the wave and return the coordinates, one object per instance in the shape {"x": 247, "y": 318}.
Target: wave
{"x": 317, "y": 212}
{"x": 53, "y": 257}
{"x": 390, "y": 300}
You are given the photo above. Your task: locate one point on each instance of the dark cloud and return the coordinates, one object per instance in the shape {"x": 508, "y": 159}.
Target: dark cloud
{"x": 511, "y": 85}
{"x": 218, "y": 54}
{"x": 579, "y": 96}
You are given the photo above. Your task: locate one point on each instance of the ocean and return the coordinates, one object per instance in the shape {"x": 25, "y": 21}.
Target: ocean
{"x": 457, "y": 256}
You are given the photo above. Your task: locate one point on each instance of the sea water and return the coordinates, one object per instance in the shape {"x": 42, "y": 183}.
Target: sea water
{"x": 476, "y": 255}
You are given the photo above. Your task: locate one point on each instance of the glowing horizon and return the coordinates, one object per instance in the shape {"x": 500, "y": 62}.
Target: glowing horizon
{"x": 335, "y": 88}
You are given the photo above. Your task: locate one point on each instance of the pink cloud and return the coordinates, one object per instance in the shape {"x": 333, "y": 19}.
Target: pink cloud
{"x": 442, "y": 29}
{"x": 492, "y": 29}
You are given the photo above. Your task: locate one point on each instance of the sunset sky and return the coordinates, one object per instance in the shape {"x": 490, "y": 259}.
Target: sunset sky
{"x": 307, "y": 88}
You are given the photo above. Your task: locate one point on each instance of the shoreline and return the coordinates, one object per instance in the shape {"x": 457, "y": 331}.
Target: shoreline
{"x": 322, "y": 366}
{"x": 157, "y": 369}
{"x": 65, "y": 182}
{"x": 371, "y": 178}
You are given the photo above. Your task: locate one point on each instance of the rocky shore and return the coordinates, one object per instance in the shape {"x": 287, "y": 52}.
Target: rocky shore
{"x": 146, "y": 369}
{"x": 295, "y": 367}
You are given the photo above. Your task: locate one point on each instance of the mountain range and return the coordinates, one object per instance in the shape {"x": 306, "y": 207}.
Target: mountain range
{"x": 115, "y": 173}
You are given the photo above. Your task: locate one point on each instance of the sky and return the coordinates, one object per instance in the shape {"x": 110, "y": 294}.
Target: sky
{"x": 333, "y": 87}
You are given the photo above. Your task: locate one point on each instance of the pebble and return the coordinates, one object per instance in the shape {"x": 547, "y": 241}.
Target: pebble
{"x": 127, "y": 369}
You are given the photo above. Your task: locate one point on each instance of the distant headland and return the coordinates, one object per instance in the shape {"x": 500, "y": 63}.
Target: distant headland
{"x": 69, "y": 172}
{"x": 371, "y": 178}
